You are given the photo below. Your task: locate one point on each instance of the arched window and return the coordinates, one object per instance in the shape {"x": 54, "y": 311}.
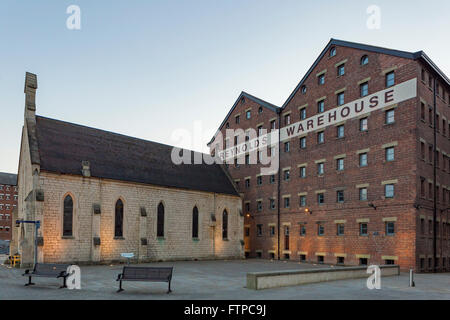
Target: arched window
{"x": 332, "y": 51}
{"x": 303, "y": 89}
{"x": 118, "y": 226}
{"x": 364, "y": 60}
{"x": 195, "y": 223}
{"x": 160, "y": 221}
{"x": 225, "y": 224}
{"x": 68, "y": 217}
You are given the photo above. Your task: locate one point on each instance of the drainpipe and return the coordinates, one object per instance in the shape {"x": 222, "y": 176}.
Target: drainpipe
{"x": 279, "y": 181}
{"x": 434, "y": 177}
{"x": 214, "y": 229}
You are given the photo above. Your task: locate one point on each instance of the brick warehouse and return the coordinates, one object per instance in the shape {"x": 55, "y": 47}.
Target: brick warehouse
{"x": 8, "y": 202}
{"x": 364, "y": 190}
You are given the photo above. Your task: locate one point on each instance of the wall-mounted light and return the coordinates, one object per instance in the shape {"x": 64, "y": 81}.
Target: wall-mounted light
{"x": 372, "y": 206}
{"x": 307, "y": 211}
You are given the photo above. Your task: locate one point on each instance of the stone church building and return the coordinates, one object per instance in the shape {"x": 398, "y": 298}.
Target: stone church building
{"x": 98, "y": 194}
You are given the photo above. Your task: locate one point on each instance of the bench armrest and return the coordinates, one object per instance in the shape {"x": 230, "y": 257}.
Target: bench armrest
{"x": 119, "y": 277}
{"x": 27, "y": 272}
{"x": 62, "y": 274}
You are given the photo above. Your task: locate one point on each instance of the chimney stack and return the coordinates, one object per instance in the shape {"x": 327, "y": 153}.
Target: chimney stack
{"x": 30, "y": 95}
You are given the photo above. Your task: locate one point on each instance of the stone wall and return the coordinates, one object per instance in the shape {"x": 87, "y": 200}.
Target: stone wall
{"x": 177, "y": 243}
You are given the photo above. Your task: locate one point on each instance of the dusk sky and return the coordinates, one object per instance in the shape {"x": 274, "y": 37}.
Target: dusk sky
{"x": 148, "y": 68}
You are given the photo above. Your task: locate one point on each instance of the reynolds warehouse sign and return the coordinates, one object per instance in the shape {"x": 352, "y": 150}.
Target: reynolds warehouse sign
{"x": 357, "y": 108}
{"x": 379, "y": 100}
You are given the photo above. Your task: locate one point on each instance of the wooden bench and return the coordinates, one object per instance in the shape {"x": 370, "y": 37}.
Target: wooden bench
{"x": 48, "y": 271}
{"x": 152, "y": 274}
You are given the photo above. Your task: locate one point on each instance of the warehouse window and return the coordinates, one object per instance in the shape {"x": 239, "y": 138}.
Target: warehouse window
{"x": 320, "y": 137}
{"x": 259, "y": 230}
{"x": 68, "y": 217}
{"x": 389, "y": 191}
{"x": 320, "y": 198}
{"x": 303, "y": 143}
{"x": 320, "y": 229}
{"x": 364, "y": 89}
{"x": 287, "y": 202}
{"x": 286, "y": 147}
{"x": 341, "y": 70}
{"x": 340, "y": 196}
{"x": 259, "y": 180}
{"x": 160, "y": 221}
{"x": 320, "y": 168}
{"x": 363, "y": 124}
{"x": 363, "y": 160}
{"x": 390, "y": 154}
{"x": 340, "y": 131}
{"x": 390, "y": 228}
{"x": 321, "y": 106}
{"x": 287, "y": 175}
{"x": 390, "y": 79}
{"x": 302, "y": 201}
{"x": 340, "y": 99}
{"x": 363, "y": 194}
{"x": 303, "y": 114}
{"x": 321, "y": 79}
{"x": 390, "y": 116}
{"x": 272, "y": 231}
{"x": 302, "y": 230}
{"x": 340, "y": 164}
{"x": 118, "y": 226}
{"x": 363, "y": 229}
{"x": 340, "y": 229}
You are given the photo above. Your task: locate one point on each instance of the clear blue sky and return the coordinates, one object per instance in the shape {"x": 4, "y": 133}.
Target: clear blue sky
{"x": 147, "y": 68}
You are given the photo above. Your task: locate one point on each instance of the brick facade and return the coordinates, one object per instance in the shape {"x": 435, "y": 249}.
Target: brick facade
{"x": 8, "y": 202}
{"x": 408, "y": 245}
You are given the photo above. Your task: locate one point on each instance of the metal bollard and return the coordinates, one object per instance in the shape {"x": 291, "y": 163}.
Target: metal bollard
{"x": 411, "y": 278}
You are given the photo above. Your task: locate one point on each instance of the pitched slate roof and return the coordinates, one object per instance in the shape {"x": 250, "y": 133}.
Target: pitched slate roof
{"x": 63, "y": 146}
{"x": 244, "y": 94}
{"x": 402, "y": 54}
{"x": 8, "y": 179}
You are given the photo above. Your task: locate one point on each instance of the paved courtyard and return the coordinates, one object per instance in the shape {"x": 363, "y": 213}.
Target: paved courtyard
{"x": 219, "y": 280}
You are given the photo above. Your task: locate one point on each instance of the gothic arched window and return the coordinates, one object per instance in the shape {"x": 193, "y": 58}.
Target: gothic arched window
{"x": 118, "y": 225}
{"x": 225, "y": 224}
{"x": 195, "y": 223}
{"x": 160, "y": 221}
{"x": 68, "y": 217}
